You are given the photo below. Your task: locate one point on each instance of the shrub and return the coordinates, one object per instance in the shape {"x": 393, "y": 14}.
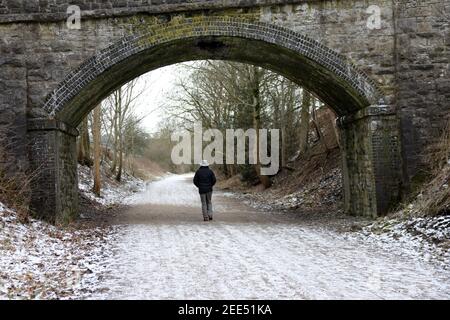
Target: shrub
{"x": 14, "y": 184}
{"x": 435, "y": 196}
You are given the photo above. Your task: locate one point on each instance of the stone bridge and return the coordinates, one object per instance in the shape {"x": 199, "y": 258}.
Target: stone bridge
{"x": 381, "y": 65}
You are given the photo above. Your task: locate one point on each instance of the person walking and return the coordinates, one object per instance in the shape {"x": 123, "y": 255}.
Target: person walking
{"x": 204, "y": 180}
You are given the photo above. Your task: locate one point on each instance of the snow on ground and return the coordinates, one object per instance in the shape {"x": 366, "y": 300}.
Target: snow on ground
{"x": 170, "y": 190}
{"x": 258, "y": 261}
{"x": 267, "y": 258}
{"x": 112, "y": 192}
{"x": 425, "y": 238}
{"x": 40, "y": 261}
{"x": 223, "y": 259}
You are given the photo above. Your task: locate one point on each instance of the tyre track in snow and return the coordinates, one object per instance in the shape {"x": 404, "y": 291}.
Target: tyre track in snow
{"x": 166, "y": 251}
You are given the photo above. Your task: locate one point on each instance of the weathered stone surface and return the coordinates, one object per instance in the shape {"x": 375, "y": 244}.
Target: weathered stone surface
{"x": 343, "y": 86}
{"x": 48, "y": 71}
{"x": 423, "y": 61}
{"x": 372, "y": 164}
{"x": 52, "y": 156}
{"x": 55, "y": 10}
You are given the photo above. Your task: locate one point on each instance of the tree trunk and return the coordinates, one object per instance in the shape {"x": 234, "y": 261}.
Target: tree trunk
{"x": 283, "y": 146}
{"x": 120, "y": 133}
{"x": 335, "y": 130}
{"x": 84, "y": 152}
{"x": 120, "y": 158}
{"x": 115, "y": 145}
{"x": 265, "y": 180}
{"x": 96, "y": 133}
{"x": 225, "y": 165}
{"x": 318, "y": 130}
{"x": 130, "y": 156}
{"x": 304, "y": 122}
{"x": 117, "y": 103}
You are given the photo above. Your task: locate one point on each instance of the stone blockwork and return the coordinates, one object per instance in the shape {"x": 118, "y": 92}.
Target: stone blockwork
{"x": 343, "y": 86}
{"x": 372, "y": 161}
{"x": 52, "y": 155}
{"x": 49, "y": 71}
{"x": 423, "y": 66}
{"x": 55, "y": 10}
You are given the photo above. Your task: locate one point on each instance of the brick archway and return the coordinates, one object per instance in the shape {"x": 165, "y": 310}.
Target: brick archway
{"x": 370, "y": 137}
{"x": 305, "y": 61}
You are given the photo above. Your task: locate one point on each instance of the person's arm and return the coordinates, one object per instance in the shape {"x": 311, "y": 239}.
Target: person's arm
{"x": 213, "y": 178}
{"x": 196, "y": 179}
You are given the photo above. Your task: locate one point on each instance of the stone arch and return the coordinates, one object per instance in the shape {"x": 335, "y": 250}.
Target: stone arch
{"x": 312, "y": 65}
{"x": 370, "y": 139}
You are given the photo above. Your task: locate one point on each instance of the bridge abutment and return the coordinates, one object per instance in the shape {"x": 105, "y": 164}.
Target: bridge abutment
{"x": 53, "y": 164}
{"x": 371, "y": 161}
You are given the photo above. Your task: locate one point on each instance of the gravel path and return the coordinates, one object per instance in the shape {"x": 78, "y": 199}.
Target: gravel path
{"x": 165, "y": 251}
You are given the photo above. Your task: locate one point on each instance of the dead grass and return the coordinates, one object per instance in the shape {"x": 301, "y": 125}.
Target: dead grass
{"x": 434, "y": 198}
{"x": 313, "y": 178}
{"x": 14, "y": 184}
{"x": 143, "y": 168}
{"x": 232, "y": 183}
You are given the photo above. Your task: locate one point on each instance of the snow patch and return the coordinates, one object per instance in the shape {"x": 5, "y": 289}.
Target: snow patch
{"x": 112, "y": 191}
{"x": 260, "y": 261}
{"x": 168, "y": 191}
{"x": 424, "y": 238}
{"x": 40, "y": 261}
{"x": 283, "y": 259}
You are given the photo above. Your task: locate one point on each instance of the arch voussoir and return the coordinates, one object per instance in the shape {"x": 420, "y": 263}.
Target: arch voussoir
{"x": 363, "y": 89}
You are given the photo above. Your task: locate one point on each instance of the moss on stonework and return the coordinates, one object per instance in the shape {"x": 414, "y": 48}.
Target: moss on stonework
{"x": 163, "y": 26}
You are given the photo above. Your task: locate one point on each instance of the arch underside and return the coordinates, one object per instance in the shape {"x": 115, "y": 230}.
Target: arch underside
{"x": 318, "y": 69}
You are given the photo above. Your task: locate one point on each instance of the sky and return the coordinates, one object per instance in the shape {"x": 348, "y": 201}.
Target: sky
{"x": 158, "y": 85}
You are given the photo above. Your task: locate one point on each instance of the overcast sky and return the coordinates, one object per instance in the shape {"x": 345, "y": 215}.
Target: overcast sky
{"x": 158, "y": 85}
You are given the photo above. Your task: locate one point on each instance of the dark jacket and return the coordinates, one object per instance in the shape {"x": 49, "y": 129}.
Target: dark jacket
{"x": 204, "y": 180}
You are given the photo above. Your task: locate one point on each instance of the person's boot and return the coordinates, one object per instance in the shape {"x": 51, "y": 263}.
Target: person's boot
{"x": 206, "y": 219}
{"x": 210, "y": 218}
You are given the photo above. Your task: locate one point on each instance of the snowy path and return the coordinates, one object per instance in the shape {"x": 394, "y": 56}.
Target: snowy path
{"x": 166, "y": 251}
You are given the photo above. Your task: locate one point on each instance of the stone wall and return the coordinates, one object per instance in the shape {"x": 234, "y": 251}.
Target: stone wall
{"x": 13, "y": 95}
{"x": 55, "y": 10}
{"x": 423, "y": 66}
{"x": 372, "y": 164}
{"x": 340, "y": 26}
{"x": 36, "y": 57}
{"x": 53, "y": 164}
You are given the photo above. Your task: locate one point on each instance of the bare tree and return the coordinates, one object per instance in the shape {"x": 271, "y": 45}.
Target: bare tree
{"x": 234, "y": 95}
{"x": 304, "y": 122}
{"x": 120, "y": 109}
{"x": 84, "y": 151}
{"x": 318, "y": 130}
{"x": 96, "y": 134}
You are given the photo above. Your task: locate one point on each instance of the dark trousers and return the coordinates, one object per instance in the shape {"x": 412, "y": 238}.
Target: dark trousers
{"x": 206, "y": 204}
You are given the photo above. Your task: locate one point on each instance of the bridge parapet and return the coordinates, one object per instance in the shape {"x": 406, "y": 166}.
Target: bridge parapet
{"x": 51, "y": 10}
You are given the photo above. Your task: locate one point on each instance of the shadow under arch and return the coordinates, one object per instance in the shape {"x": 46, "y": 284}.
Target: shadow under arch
{"x": 313, "y": 66}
